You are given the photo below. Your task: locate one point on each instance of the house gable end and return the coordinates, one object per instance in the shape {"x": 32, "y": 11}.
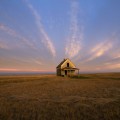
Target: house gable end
{"x": 65, "y": 64}
{"x": 59, "y": 66}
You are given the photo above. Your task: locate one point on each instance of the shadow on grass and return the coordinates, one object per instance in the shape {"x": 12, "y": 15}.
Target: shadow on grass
{"x": 80, "y": 77}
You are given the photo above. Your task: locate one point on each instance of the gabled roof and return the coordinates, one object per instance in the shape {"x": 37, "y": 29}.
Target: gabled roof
{"x": 61, "y": 63}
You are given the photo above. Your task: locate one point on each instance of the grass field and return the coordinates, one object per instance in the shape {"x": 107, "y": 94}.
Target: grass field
{"x": 48, "y": 97}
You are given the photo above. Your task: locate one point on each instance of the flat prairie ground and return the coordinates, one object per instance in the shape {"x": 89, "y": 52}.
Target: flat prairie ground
{"x": 48, "y": 97}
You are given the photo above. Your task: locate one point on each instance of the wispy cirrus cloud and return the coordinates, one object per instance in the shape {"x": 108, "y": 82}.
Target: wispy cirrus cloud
{"x": 8, "y": 30}
{"x": 7, "y": 69}
{"x": 31, "y": 60}
{"x": 109, "y": 65}
{"x": 114, "y": 58}
{"x": 115, "y": 54}
{"x": 114, "y": 66}
{"x": 73, "y": 44}
{"x": 100, "y": 49}
{"x": 13, "y": 33}
{"x": 4, "y": 46}
{"x": 43, "y": 35}
{"x": 103, "y": 66}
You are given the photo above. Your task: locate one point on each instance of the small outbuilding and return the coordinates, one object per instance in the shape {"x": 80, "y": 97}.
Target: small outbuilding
{"x": 66, "y": 68}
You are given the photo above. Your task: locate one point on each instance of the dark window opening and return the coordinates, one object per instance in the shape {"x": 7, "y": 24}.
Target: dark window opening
{"x": 67, "y": 64}
{"x": 65, "y": 72}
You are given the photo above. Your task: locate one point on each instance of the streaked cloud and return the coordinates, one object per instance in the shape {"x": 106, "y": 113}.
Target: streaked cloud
{"x": 13, "y": 33}
{"x": 115, "y": 66}
{"x": 8, "y": 30}
{"x": 38, "y": 62}
{"x": 31, "y": 60}
{"x": 7, "y": 69}
{"x": 73, "y": 44}
{"x": 27, "y": 29}
{"x": 100, "y": 49}
{"x": 20, "y": 70}
{"x": 114, "y": 59}
{"x": 102, "y": 67}
{"x": 109, "y": 65}
{"x": 43, "y": 35}
{"x": 115, "y": 54}
{"x": 4, "y": 46}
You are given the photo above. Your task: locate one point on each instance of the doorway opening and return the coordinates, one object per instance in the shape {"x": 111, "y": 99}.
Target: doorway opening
{"x": 65, "y": 72}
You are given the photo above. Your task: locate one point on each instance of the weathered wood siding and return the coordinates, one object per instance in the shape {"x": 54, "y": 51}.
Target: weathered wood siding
{"x": 68, "y": 72}
{"x": 65, "y": 64}
{"x": 58, "y": 71}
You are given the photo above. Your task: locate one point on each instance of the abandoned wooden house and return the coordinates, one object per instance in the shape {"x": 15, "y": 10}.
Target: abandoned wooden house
{"x": 66, "y": 68}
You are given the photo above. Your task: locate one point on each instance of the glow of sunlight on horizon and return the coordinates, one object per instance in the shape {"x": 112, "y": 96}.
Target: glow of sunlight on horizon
{"x": 35, "y": 36}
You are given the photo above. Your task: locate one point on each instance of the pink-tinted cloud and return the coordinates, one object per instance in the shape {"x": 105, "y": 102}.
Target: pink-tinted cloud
{"x": 73, "y": 44}
{"x": 4, "y": 46}
{"x": 109, "y": 65}
{"x": 23, "y": 70}
{"x": 100, "y": 49}
{"x": 13, "y": 33}
{"x": 44, "y": 36}
{"x": 8, "y": 69}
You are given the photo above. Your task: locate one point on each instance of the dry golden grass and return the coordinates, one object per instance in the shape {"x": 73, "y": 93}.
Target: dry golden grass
{"x": 48, "y": 97}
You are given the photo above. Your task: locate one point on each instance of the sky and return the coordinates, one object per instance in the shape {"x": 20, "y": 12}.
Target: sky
{"x": 36, "y": 35}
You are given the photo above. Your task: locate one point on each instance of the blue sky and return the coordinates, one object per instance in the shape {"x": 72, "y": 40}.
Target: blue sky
{"x": 35, "y": 35}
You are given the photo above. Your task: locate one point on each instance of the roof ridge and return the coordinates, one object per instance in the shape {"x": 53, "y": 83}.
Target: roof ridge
{"x": 61, "y": 62}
